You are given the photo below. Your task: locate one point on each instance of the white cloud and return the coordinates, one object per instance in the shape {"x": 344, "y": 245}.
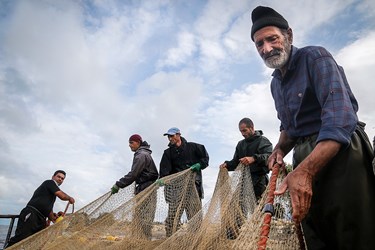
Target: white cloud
{"x": 76, "y": 81}
{"x": 358, "y": 62}
{"x": 305, "y": 16}
{"x": 367, "y": 7}
{"x": 169, "y": 99}
{"x": 185, "y": 48}
{"x": 237, "y": 40}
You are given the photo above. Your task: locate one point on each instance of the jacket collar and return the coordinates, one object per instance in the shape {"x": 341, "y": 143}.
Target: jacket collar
{"x": 183, "y": 143}
{"x": 291, "y": 64}
{"x": 257, "y": 133}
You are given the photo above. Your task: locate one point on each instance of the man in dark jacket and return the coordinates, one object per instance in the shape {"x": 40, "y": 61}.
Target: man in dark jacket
{"x": 253, "y": 151}
{"x": 33, "y": 217}
{"x": 180, "y": 156}
{"x": 143, "y": 173}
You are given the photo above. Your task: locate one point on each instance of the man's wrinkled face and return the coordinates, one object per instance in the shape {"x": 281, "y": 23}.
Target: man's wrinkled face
{"x": 59, "y": 178}
{"x": 273, "y": 46}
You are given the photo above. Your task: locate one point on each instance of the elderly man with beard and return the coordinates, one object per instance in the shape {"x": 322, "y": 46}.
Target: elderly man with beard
{"x": 332, "y": 186}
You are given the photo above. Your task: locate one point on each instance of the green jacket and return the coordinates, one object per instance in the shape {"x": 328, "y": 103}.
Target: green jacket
{"x": 256, "y": 146}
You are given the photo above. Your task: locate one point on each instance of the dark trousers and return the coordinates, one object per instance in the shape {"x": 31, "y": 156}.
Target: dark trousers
{"x": 260, "y": 183}
{"x": 341, "y": 215}
{"x": 29, "y": 223}
{"x": 175, "y": 211}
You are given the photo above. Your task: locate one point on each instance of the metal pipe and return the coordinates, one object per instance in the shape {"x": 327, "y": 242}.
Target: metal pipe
{"x": 12, "y": 218}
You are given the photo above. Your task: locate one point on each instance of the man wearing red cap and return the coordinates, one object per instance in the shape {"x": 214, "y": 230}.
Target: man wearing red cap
{"x": 332, "y": 186}
{"x": 144, "y": 173}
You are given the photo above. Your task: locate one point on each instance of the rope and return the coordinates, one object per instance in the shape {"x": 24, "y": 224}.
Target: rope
{"x": 66, "y": 209}
{"x": 269, "y": 210}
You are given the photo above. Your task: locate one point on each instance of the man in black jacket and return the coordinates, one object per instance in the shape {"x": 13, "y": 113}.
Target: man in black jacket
{"x": 253, "y": 151}
{"x": 181, "y": 155}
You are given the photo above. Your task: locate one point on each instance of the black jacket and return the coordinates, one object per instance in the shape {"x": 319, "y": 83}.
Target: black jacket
{"x": 143, "y": 171}
{"x": 256, "y": 146}
{"x": 176, "y": 159}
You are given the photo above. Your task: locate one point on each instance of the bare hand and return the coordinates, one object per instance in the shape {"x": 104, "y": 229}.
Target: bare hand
{"x": 52, "y": 216}
{"x": 71, "y": 200}
{"x": 299, "y": 184}
{"x": 224, "y": 165}
{"x": 247, "y": 160}
{"x": 277, "y": 156}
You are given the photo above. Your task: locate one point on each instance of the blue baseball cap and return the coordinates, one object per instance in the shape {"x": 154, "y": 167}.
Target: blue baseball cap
{"x": 172, "y": 131}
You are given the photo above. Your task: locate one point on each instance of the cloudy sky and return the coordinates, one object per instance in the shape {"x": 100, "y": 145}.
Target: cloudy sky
{"x": 77, "y": 78}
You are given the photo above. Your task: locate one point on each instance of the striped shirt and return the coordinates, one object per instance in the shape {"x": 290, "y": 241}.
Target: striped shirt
{"x": 314, "y": 97}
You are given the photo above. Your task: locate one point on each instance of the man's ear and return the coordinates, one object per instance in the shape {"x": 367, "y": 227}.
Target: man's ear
{"x": 290, "y": 35}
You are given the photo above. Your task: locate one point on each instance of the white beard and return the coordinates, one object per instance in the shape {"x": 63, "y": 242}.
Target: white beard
{"x": 280, "y": 58}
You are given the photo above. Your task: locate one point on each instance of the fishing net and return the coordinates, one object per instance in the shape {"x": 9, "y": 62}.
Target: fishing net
{"x": 124, "y": 221}
{"x": 171, "y": 216}
{"x": 78, "y": 220}
{"x": 271, "y": 225}
{"x": 220, "y": 221}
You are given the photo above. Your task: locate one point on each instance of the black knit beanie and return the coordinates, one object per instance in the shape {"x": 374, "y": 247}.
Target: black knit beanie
{"x": 266, "y": 16}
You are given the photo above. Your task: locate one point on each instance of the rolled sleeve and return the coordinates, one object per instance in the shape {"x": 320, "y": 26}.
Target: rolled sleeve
{"x": 338, "y": 134}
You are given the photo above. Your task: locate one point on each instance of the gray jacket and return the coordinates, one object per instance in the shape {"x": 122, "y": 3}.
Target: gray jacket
{"x": 143, "y": 171}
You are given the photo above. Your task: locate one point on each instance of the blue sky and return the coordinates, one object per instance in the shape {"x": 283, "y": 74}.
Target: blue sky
{"x": 77, "y": 78}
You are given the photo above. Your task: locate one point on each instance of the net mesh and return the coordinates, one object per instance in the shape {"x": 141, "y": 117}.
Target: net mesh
{"x": 273, "y": 229}
{"x": 172, "y": 217}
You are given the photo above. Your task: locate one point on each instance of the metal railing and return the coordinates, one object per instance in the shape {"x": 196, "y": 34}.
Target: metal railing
{"x": 12, "y": 218}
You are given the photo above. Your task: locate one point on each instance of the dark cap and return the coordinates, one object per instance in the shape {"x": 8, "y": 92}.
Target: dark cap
{"x": 135, "y": 137}
{"x": 266, "y": 16}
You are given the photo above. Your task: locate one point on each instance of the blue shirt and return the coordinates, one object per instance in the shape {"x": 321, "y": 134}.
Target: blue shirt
{"x": 314, "y": 97}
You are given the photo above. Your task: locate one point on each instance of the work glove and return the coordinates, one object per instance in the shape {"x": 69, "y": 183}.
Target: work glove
{"x": 160, "y": 182}
{"x": 196, "y": 167}
{"x": 114, "y": 189}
